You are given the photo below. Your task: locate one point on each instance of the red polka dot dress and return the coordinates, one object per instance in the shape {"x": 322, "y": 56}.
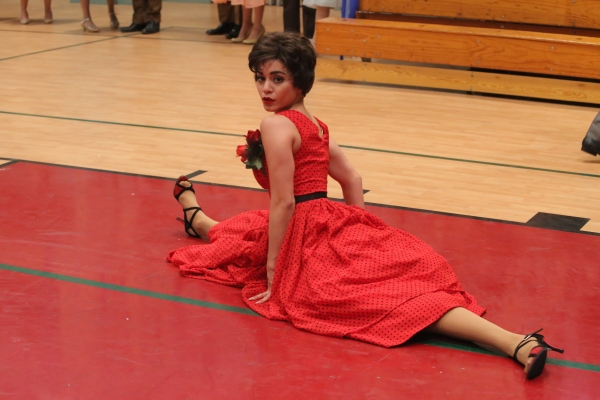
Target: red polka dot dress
{"x": 341, "y": 271}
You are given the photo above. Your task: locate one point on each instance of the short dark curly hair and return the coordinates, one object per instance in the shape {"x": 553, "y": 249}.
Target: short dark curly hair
{"x": 294, "y": 51}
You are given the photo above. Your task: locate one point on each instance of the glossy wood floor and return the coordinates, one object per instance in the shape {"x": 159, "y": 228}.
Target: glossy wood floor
{"x": 177, "y": 101}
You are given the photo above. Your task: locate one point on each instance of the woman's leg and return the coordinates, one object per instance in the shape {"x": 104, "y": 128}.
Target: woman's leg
{"x": 47, "y": 11}
{"x": 291, "y": 15}
{"x": 24, "y": 16}
{"x": 257, "y": 29}
{"x": 85, "y": 9}
{"x": 114, "y": 22}
{"x": 87, "y": 23}
{"x": 201, "y": 222}
{"x": 461, "y": 323}
{"x": 246, "y": 24}
{"x": 111, "y": 6}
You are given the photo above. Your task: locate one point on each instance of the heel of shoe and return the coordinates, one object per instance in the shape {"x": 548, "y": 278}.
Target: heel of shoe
{"x": 89, "y": 26}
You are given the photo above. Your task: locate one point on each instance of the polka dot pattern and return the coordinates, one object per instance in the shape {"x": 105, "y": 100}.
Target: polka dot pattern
{"x": 341, "y": 271}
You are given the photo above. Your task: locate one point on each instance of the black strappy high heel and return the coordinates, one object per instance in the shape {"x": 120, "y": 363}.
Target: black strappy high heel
{"x": 538, "y": 353}
{"x": 188, "y": 223}
{"x": 177, "y": 191}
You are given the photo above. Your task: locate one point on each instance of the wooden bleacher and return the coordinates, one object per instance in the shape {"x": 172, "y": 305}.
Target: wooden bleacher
{"x": 539, "y": 48}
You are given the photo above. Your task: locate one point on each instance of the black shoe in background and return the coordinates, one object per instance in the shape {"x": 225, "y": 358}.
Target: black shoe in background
{"x": 222, "y": 29}
{"x": 151, "y": 27}
{"x": 133, "y": 28}
{"x": 234, "y": 32}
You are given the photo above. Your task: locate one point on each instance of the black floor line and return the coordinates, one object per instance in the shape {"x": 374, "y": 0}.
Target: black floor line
{"x": 548, "y": 226}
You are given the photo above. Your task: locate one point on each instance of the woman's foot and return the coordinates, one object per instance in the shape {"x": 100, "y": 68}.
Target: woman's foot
{"x": 532, "y": 351}
{"x": 89, "y": 26}
{"x": 245, "y": 30}
{"x": 523, "y": 352}
{"x": 255, "y": 34}
{"x": 198, "y": 224}
{"x": 187, "y": 198}
{"x": 24, "y": 18}
{"x": 114, "y": 22}
{"x": 48, "y": 17}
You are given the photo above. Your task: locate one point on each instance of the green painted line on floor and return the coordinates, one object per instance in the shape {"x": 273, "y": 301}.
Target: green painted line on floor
{"x": 125, "y": 289}
{"x": 246, "y": 311}
{"x": 400, "y": 153}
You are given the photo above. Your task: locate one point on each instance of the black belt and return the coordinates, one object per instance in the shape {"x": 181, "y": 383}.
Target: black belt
{"x": 311, "y": 196}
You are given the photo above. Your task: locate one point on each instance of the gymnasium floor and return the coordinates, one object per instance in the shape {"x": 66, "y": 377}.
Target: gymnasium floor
{"x": 93, "y": 130}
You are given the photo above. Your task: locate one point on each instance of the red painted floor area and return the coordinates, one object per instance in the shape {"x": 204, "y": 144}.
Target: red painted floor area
{"x": 72, "y": 340}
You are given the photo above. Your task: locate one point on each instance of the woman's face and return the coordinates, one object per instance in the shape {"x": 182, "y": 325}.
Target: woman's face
{"x": 276, "y": 87}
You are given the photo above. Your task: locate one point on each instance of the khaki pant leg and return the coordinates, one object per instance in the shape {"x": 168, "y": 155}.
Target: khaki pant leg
{"x": 226, "y": 12}
{"x": 139, "y": 11}
{"x": 153, "y": 10}
{"x": 230, "y": 13}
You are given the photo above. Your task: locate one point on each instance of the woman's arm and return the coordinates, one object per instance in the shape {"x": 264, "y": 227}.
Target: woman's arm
{"x": 279, "y": 137}
{"x": 344, "y": 173}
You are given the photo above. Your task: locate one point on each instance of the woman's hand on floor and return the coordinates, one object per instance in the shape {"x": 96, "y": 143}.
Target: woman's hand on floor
{"x": 265, "y": 296}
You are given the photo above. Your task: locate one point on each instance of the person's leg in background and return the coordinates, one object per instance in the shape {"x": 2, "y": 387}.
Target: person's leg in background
{"x": 87, "y": 23}
{"x": 235, "y": 16}
{"x": 138, "y": 21}
{"x": 114, "y": 22}
{"x": 152, "y": 16}
{"x": 24, "y": 15}
{"x": 47, "y": 11}
{"x": 258, "y": 8}
{"x": 308, "y": 21}
{"x": 291, "y": 15}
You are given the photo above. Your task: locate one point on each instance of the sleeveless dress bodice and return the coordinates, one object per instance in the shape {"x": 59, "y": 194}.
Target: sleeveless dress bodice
{"x": 312, "y": 159}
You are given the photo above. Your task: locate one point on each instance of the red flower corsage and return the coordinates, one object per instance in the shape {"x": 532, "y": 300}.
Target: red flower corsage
{"x": 252, "y": 152}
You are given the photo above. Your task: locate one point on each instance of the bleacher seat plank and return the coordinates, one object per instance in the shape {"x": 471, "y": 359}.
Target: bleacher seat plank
{"x": 480, "y": 24}
{"x": 459, "y": 79}
{"x": 576, "y": 13}
{"x": 497, "y": 49}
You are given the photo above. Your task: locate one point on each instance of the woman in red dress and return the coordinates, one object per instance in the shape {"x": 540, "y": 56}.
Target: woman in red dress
{"x": 327, "y": 267}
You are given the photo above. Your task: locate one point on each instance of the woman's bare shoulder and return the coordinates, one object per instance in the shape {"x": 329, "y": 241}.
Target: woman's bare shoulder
{"x": 277, "y": 123}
